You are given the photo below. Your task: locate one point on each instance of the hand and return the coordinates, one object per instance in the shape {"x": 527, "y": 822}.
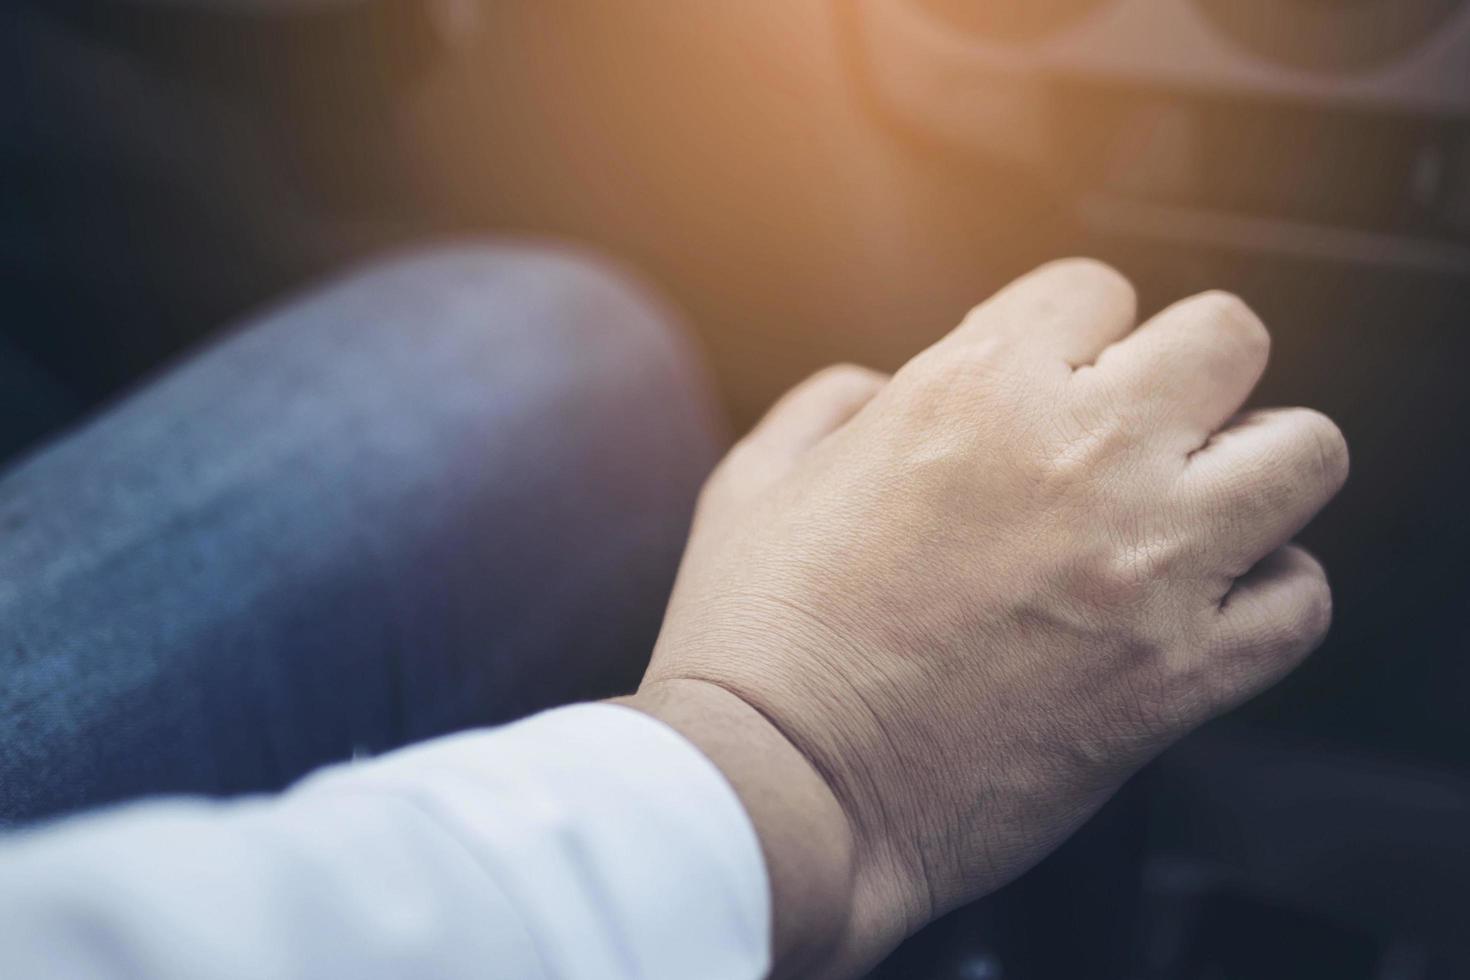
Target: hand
{"x": 949, "y": 614}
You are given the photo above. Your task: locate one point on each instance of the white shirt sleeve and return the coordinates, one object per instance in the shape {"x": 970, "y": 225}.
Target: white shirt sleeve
{"x": 591, "y": 841}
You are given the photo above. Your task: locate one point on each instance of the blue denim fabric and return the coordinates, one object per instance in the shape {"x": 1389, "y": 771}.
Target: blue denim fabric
{"x": 443, "y": 493}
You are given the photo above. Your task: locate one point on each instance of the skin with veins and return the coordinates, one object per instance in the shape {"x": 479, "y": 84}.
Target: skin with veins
{"x": 927, "y": 624}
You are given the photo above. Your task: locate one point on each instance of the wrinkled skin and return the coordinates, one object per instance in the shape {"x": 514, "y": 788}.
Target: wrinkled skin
{"x": 975, "y": 597}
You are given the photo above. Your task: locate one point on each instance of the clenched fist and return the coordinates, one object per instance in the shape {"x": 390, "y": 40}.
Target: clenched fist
{"x": 928, "y": 624}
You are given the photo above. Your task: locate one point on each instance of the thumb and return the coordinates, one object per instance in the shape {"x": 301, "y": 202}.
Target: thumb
{"x": 803, "y": 417}
{"x": 813, "y": 410}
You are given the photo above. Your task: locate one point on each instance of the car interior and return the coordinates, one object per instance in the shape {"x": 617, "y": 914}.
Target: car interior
{"x": 840, "y": 180}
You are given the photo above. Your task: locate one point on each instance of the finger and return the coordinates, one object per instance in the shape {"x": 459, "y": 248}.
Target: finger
{"x": 1261, "y": 479}
{"x": 1067, "y": 311}
{"x": 1191, "y": 367}
{"x": 1275, "y": 616}
{"x": 814, "y": 409}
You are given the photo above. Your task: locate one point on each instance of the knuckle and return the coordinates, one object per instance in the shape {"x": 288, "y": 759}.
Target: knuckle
{"x": 1231, "y": 320}
{"x": 1081, "y": 458}
{"x": 1315, "y": 617}
{"x": 1123, "y": 577}
{"x": 1301, "y": 632}
{"x": 1328, "y": 454}
{"x": 1070, "y": 466}
{"x": 1092, "y": 271}
{"x": 845, "y": 376}
{"x": 841, "y": 386}
{"x": 1291, "y": 631}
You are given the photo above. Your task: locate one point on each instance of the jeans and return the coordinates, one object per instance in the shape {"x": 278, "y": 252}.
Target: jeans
{"x": 440, "y": 494}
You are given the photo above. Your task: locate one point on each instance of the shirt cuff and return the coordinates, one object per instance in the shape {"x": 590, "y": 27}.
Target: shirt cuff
{"x": 622, "y": 848}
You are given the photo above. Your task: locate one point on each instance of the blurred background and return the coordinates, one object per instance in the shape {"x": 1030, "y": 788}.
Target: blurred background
{"x": 841, "y": 179}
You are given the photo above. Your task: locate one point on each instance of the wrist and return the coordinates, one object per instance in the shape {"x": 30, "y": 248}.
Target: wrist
{"x": 804, "y": 833}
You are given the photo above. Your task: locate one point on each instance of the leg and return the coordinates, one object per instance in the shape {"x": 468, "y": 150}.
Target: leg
{"x": 436, "y": 496}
